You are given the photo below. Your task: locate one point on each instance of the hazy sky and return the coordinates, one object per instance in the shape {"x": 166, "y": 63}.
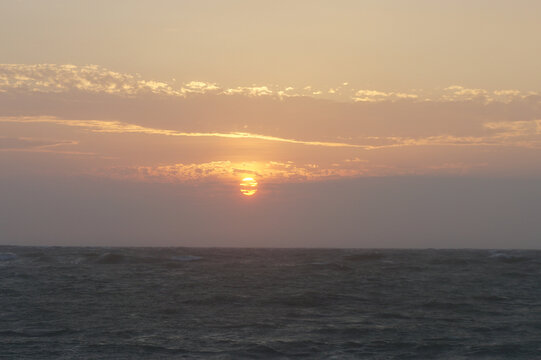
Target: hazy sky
{"x": 364, "y": 123}
{"x": 385, "y": 45}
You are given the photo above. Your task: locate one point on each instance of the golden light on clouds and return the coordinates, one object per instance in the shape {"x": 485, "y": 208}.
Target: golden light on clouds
{"x": 248, "y": 186}
{"x": 228, "y": 132}
{"x": 118, "y": 127}
{"x": 227, "y": 171}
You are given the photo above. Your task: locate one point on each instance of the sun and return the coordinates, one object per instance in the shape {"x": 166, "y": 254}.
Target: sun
{"x": 248, "y": 186}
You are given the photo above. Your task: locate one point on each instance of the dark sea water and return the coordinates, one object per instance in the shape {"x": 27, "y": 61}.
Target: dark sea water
{"x": 186, "y": 303}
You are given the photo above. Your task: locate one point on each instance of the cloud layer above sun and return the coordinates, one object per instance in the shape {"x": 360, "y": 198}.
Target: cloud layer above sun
{"x": 364, "y": 123}
{"x": 91, "y": 121}
{"x": 94, "y": 79}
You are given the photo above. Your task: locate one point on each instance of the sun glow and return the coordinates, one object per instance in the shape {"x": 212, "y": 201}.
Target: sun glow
{"x": 248, "y": 186}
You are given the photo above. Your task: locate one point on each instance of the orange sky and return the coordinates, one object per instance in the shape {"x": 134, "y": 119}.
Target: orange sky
{"x": 191, "y": 97}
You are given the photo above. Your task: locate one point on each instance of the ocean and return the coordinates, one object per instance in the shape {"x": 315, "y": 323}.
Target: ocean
{"x": 225, "y": 303}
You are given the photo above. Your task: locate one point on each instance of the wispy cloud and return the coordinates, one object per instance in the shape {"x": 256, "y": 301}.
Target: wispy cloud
{"x": 515, "y": 128}
{"x": 518, "y": 133}
{"x": 121, "y": 127}
{"x": 13, "y": 143}
{"x": 37, "y": 145}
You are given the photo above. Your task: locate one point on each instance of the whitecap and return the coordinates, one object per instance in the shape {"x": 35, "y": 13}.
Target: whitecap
{"x": 508, "y": 257}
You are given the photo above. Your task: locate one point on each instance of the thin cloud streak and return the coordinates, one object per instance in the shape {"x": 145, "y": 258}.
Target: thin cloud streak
{"x": 36, "y": 145}
{"x": 120, "y": 127}
{"x": 523, "y": 134}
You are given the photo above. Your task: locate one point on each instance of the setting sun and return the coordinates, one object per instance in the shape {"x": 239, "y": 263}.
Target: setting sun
{"x": 314, "y": 168}
{"x": 248, "y": 186}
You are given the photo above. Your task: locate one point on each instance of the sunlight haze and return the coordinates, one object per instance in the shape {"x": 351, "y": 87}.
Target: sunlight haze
{"x": 282, "y": 123}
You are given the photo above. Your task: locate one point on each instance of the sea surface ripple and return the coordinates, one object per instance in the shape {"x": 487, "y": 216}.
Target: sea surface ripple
{"x": 219, "y": 303}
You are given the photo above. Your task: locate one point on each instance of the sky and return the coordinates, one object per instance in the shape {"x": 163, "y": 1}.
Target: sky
{"x": 380, "y": 124}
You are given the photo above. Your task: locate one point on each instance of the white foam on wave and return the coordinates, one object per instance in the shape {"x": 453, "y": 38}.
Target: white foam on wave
{"x": 501, "y": 255}
{"x": 508, "y": 256}
{"x": 504, "y": 254}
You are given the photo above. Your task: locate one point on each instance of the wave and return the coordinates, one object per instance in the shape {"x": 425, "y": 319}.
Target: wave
{"x": 436, "y": 304}
{"x": 110, "y": 258}
{"x": 118, "y": 258}
{"x": 364, "y": 256}
{"x": 509, "y": 257}
{"x": 218, "y": 299}
{"x": 261, "y": 350}
{"x": 490, "y": 298}
{"x": 186, "y": 258}
{"x": 323, "y": 265}
{"x": 7, "y": 256}
{"x": 305, "y": 299}
{"x": 35, "y": 333}
{"x": 459, "y": 261}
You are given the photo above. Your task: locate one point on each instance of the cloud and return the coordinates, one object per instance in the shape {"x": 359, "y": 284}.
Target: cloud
{"x": 55, "y": 78}
{"x": 378, "y": 96}
{"x": 454, "y": 93}
{"x": 15, "y": 143}
{"x": 52, "y": 78}
{"x": 251, "y": 91}
{"x": 124, "y": 128}
{"x": 518, "y": 133}
{"x": 271, "y": 172}
{"x": 460, "y": 93}
{"x": 515, "y": 128}
{"x": 94, "y": 79}
{"x": 275, "y": 172}
{"x": 198, "y": 87}
{"x": 163, "y": 132}
{"x": 36, "y": 145}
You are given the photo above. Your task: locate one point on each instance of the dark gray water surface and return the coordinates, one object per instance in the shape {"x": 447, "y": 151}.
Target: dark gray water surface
{"x": 158, "y": 303}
